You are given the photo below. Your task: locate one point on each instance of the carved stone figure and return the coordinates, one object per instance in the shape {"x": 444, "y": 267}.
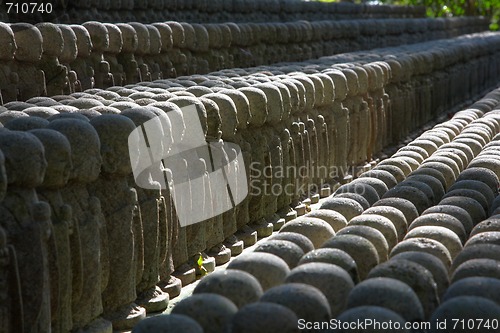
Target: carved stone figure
{"x": 56, "y": 75}
{"x": 149, "y": 295}
{"x": 11, "y": 308}
{"x": 27, "y": 223}
{"x": 81, "y": 64}
{"x": 68, "y": 55}
{"x": 58, "y": 155}
{"x": 100, "y": 42}
{"x": 111, "y": 53}
{"x": 8, "y": 77}
{"x": 29, "y": 52}
{"x": 87, "y": 307}
{"x": 126, "y": 57}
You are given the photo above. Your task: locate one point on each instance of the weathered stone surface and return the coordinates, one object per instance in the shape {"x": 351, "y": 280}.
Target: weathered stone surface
{"x": 264, "y": 317}
{"x": 333, "y": 256}
{"x": 387, "y": 293}
{"x": 317, "y": 230}
{"x": 238, "y": 286}
{"x": 370, "y": 312}
{"x": 168, "y": 324}
{"x": 286, "y": 250}
{"x": 333, "y": 281}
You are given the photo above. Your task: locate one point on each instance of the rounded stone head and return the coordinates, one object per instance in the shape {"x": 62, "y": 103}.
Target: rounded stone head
{"x": 154, "y": 38}
{"x": 166, "y": 36}
{"x": 83, "y": 40}
{"x": 144, "y": 42}
{"x": 179, "y": 37}
{"x": 115, "y": 38}
{"x": 29, "y": 42}
{"x": 85, "y": 148}
{"x": 242, "y": 106}
{"x": 53, "y": 40}
{"x": 129, "y": 37}
{"x": 114, "y": 130}
{"x": 7, "y": 41}
{"x": 70, "y": 49}
{"x": 340, "y": 83}
{"x": 98, "y": 34}
{"x": 258, "y": 105}
{"x": 24, "y": 158}
{"x": 228, "y": 113}
{"x": 58, "y": 155}
{"x": 184, "y": 101}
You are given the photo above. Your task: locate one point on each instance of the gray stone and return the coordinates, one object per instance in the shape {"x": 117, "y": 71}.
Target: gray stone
{"x": 313, "y": 305}
{"x": 370, "y": 312}
{"x": 477, "y": 268}
{"x": 457, "y": 212}
{"x": 414, "y": 275}
{"x": 373, "y": 235}
{"x": 238, "y": 286}
{"x": 302, "y": 241}
{"x": 286, "y": 250}
{"x": 394, "y": 215}
{"x": 170, "y": 323}
{"x": 317, "y": 230}
{"x": 477, "y": 251}
{"x": 424, "y": 245}
{"x": 333, "y": 256}
{"x": 213, "y": 312}
{"x": 332, "y": 280}
{"x": 269, "y": 269}
{"x": 264, "y": 317}
{"x": 359, "y": 248}
{"x": 405, "y": 206}
{"x": 387, "y": 293}
{"x": 465, "y": 307}
{"x": 347, "y": 207}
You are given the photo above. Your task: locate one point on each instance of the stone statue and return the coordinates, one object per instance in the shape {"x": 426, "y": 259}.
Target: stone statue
{"x": 126, "y": 57}
{"x": 111, "y": 53}
{"x": 58, "y": 154}
{"x": 29, "y": 52}
{"x": 166, "y": 67}
{"x": 56, "y": 75}
{"x": 150, "y": 58}
{"x": 11, "y": 308}
{"x": 143, "y": 46}
{"x": 100, "y": 42}
{"x": 81, "y": 64}
{"x": 67, "y": 56}
{"x": 27, "y": 223}
{"x": 8, "y": 77}
{"x": 87, "y": 308}
{"x": 149, "y": 295}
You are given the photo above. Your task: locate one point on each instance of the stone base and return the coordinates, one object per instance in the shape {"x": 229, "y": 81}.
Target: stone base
{"x": 186, "y": 274}
{"x": 247, "y": 235}
{"x": 221, "y": 254}
{"x": 301, "y": 209}
{"x": 288, "y": 213}
{"x": 314, "y": 198}
{"x": 278, "y": 224}
{"x": 99, "y": 325}
{"x": 235, "y": 247}
{"x": 208, "y": 263}
{"x": 264, "y": 228}
{"x": 325, "y": 192}
{"x": 307, "y": 201}
{"x": 126, "y": 317}
{"x": 153, "y": 300}
{"x": 172, "y": 288}
{"x": 346, "y": 179}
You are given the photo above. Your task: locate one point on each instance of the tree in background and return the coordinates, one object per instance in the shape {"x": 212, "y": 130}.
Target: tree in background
{"x": 448, "y": 8}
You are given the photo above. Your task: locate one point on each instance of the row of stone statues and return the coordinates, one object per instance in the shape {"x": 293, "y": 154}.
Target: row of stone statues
{"x": 213, "y": 11}
{"x": 88, "y": 249}
{"x": 49, "y": 59}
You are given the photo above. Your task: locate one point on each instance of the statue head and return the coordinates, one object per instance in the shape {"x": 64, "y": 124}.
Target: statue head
{"x": 144, "y": 42}
{"x": 115, "y": 38}
{"x": 114, "y": 130}
{"x": 53, "y": 41}
{"x": 83, "y": 40}
{"x": 99, "y": 35}
{"x": 58, "y": 155}
{"x": 70, "y": 49}
{"x": 129, "y": 36}
{"x": 29, "y": 42}
{"x": 7, "y": 41}
{"x": 24, "y": 158}
{"x": 85, "y": 148}
{"x": 228, "y": 113}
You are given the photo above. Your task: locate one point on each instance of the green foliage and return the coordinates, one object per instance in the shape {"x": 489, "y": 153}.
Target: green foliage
{"x": 448, "y": 8}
